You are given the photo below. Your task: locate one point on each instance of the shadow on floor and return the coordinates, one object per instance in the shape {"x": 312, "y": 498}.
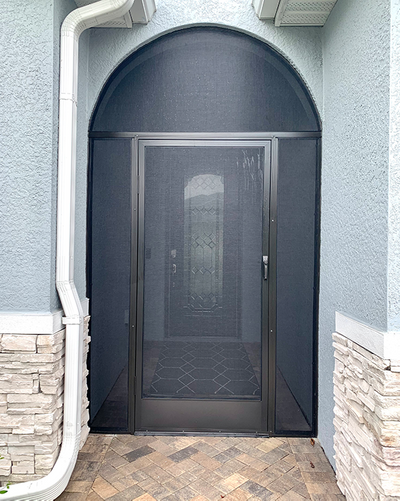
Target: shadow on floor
{"x": 113, "y": 414}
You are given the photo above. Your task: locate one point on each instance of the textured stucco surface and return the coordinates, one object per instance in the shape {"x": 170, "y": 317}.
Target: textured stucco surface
{"x": 356, "y": 47}
{"x": 28, "y": 153}
{"x": 394, "y": 176}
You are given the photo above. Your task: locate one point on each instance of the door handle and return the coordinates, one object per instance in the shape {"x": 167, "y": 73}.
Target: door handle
{"x": 265, "y": 265}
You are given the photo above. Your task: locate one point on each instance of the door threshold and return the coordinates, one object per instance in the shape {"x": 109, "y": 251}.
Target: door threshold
{"x": 199, "y": 434}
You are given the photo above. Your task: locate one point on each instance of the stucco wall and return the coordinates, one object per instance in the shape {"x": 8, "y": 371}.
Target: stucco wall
{"x": 356, "y": 51}
{"x": 394, "y": 176}
{"x": 29, "y": 117}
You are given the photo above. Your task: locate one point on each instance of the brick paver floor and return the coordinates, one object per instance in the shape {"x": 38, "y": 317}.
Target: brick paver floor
{"x": 148, "y": 468}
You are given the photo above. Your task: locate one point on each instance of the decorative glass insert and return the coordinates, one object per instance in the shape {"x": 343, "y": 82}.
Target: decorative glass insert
{"x": 203, "y": 261}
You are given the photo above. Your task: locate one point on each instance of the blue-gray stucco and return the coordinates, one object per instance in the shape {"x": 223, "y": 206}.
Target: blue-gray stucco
{"x": 29, "y": 58}
{"x": 355, "y": 156}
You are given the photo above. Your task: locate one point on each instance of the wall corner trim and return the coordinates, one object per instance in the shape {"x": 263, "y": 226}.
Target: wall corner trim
{"x": 35, "y": 323}
{"x": 381, "y": 343}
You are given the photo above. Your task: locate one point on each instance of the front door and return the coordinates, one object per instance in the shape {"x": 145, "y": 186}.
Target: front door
{"x": 202, "y": 295}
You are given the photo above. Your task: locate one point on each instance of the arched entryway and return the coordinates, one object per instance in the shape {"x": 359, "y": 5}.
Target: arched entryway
{"x": 203, "y": 255}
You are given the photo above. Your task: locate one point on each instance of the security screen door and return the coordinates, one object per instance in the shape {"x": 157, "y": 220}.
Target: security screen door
{"x": 202, "y": 296}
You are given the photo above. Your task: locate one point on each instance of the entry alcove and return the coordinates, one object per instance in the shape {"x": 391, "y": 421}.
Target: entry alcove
{"x": 219, "y": 113}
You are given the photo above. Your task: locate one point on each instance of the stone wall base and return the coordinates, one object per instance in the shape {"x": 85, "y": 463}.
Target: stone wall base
{"x": 31, "y": 403}
{"x": 367, "y": 423}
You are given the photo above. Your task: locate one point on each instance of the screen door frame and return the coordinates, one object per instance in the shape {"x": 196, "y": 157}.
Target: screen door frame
{"x": 172, "y": 415}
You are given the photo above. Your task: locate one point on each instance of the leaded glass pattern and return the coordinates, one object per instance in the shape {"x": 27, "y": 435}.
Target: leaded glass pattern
{"x": 203, "y": 261}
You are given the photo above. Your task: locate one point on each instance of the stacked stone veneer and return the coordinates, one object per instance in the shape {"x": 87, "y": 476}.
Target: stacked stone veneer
{"x": 367, "y": 423}
{"x": 31, "y": 403}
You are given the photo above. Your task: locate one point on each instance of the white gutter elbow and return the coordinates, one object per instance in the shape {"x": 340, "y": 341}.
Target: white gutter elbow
{"x": 51, "y": 486}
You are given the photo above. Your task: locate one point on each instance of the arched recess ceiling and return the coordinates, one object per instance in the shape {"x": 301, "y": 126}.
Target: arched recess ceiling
{"x": 301, "y": 47}
{"x": 224, "y": 68}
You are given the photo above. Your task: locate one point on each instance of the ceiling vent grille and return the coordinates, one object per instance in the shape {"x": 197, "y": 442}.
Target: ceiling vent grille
{"x": 303, "y": 13}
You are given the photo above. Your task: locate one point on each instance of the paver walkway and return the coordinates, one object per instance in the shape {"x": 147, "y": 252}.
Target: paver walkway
{"x": 147, "y": 468}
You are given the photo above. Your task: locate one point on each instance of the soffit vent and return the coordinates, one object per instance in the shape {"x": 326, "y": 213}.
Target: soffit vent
{"x": 140, "y": 13}
{"x": 303, "y": 12}
{"x": 265, "y": 9}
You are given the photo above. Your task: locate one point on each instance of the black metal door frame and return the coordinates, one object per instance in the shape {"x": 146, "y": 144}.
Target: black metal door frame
{"x": 269, "y": 320}
{"x": 241, "y": 415}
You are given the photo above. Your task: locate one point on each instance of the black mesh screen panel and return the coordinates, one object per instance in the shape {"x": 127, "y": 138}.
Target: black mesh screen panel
{"x": 110, "y": 259}
{"x": 205, "y": 80}
{"x": 295, "y": 284}
{"x": 202, "y": 280}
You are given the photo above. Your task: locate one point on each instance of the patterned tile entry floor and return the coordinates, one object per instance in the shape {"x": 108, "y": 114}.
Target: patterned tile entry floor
{"x": 201, "y": 468}
{"x": 204, "y": 370}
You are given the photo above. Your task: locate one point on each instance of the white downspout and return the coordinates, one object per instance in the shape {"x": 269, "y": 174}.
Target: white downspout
{"x": 51, "y": 486}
